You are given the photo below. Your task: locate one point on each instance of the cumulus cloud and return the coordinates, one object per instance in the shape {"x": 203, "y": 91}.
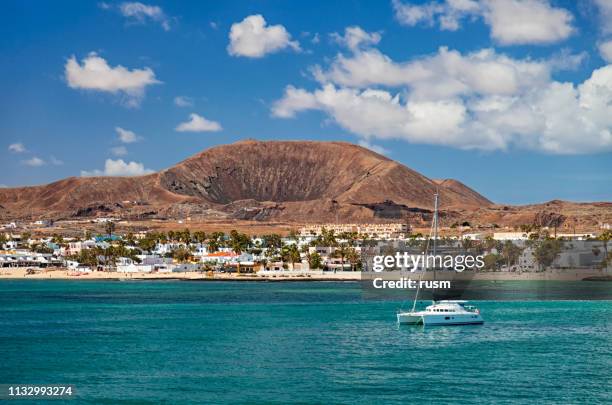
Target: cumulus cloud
{"x": 119, "y": 151}
{"x": 140, "y": 13}
{"x": 253, "y": 38}
{"x": 605, "y": 50}
{"x": 34, "y": 162}
{"x": 605, "y": 15}
{"x": 118, "y": 168}
{"x": 446, "y": 73}
{"x": 127, "y": 136}
{"x": 527, "y": 22}
{"x": 94, "y": 73}
{"x": 355, "y": 37}
{"x": 482, "y": 100}
{"x": 512, "y": 22}
{"x": 17, "y": 147}
{"x": 183, "y": 101}
{"x": 197, "y": 123}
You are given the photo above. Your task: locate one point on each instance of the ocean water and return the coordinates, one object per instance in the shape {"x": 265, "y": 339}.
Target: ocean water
{"x": 247, "y": 342}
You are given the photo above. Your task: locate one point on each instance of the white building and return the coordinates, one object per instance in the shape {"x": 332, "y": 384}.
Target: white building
{"x": 510, "y": 236}
{"x": 380, "y": 231}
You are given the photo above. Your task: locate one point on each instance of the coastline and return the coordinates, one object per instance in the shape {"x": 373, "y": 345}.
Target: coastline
{"x": 65, "y": 274}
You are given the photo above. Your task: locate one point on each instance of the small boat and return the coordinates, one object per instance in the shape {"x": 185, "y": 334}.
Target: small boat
{"x": 446, "y": 312}
{"x": 443, "y": 312}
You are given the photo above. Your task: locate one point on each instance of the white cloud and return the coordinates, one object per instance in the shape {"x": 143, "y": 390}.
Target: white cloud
{"x": 119, "y": 151}
{"x": 197, "y": 123}
{"x": 140, "y": 13}
{"x": 376, "y": 148}
{"x": 527, "y": 22}
{"x": 482, "y": 100}
{"x": 183, "y": 101}
{"x": 447, "y": 13}
{"x": 355, "y": 37}
{"x": 447, "y": 73}
{"x": 118, "y": 168}
{"x": 17, "y": 147}
{"x": 511, "y": 22}
{"x": 605, "y": 50}
{"x": 293, "y": 101}
{"x": 55, "y": 161}
{"x": 254, "y": 39}
{"x": 566, "y": 60}
{"x": 34, "y": 162}
{"x": 95, "y": 74}
{"x": 605, "y": 15}
{"x": 127, "y": 136}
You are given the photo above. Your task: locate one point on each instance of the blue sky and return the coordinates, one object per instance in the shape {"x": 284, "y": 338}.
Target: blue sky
{"x": 512, "y": 97}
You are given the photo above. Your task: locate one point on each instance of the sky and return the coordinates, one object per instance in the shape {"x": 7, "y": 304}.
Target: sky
{"x": 511, "y": 97}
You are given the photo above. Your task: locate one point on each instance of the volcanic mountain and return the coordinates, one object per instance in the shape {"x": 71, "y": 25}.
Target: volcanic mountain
{"x": 299, "y": 181}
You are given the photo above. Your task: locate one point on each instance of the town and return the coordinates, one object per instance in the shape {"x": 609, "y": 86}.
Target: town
{"x": 339, "y": 251}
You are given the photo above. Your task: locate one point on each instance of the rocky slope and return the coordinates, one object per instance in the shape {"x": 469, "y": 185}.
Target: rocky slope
{"x": 276, "y": 180}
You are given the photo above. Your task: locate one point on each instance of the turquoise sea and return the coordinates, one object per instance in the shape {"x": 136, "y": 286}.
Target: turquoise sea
{"x": 249, "y": 342}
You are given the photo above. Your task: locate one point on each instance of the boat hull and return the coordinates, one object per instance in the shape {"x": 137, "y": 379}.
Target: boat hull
{"x": 408, "y": 318}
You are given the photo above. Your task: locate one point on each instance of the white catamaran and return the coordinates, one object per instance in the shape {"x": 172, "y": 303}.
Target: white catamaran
{"x": 447, "y": 312}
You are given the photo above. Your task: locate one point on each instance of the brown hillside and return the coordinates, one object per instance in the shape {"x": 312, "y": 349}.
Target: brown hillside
{"x": 289, "y": 180}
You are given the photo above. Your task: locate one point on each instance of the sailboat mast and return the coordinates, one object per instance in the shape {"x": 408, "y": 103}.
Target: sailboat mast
{"x": 434, "y": 225}
{"x": 435, "y": 235}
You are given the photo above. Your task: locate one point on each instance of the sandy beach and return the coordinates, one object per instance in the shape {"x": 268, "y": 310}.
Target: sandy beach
{"x": 50, "y": 274}
{"x": 66, "y": 274}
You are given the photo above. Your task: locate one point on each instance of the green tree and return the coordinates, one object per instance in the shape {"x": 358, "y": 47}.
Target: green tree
{"x": 184, "y": 236}
{"x": 182, "y": 255}
{"x": 109, "y": 228}
{"x": 129, "y": 239}
{"x": 546, "y": 251}
{"x": 605, "y": 238}
{"x": 314, "y": 260}
{"x": 354, "y": 258}
{"x": 40, "y": 248}
{"x": 467, "y": 243}
{"x": 147, "y": 243}
{"x": 199, "y": 236}
{"x": 510, "y": 253}
{"x": 239, "y": 242}
{"x": 25, "y": 236}
{"x": 291, "y": 254}
{"x": 491, "y": 261}
{"x": 342, "y": 252}
{"x": 272, "y": 240}
{"x": 490, "y": 243}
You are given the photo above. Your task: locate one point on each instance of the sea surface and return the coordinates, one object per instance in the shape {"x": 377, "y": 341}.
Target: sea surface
{"x": 295, "y": 342}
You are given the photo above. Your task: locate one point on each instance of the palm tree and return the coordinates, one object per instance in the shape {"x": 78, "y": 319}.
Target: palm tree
{"x": 605, "y": 238}
{"x": 314, "y": 260}
{"x": 342, "y": 252}
{"x": 292, "y": 255}
{"x": 353, "y": 257}
{"x": 239, "y": 242}
{"x": 109, "y": 228}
